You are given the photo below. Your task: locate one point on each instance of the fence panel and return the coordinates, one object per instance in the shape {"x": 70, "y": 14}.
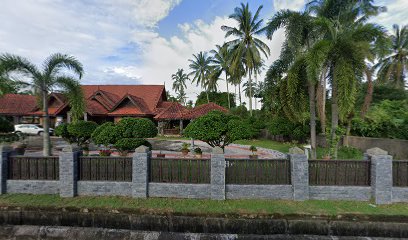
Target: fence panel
{"x": 105, "y": 169}
{"x": 33, "y": 168}
{"x": 258, "y": 171}
{"x": 340, "y": 172}
{"x": 400, "y": 173}
{"x": 180, "y": 170}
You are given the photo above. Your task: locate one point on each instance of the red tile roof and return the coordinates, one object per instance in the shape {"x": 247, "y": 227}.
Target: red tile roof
{"x": 204, "y": 109}
{"x": 17, "y": 104}
{"x": 173, "y": 111}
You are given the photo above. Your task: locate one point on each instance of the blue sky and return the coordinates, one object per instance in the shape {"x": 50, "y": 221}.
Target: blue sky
{"x": 136, "y": 41}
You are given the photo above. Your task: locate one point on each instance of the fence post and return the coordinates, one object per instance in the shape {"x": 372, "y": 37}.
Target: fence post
{"x": 68, "y": 171}
{"x": 299, "y": 174}
{"x": 381, "y": 175}
{"x": 140, "y": 172}
{"x": 217, "y": 174}
{"x": 5, "y": 152}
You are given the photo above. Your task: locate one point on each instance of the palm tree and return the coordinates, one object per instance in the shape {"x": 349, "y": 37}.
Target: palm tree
{"x": 201, "y": 70}
{"x": 221, "y": 62}
{"x": 50, "y": 78}
{"x": 179, "y": 83}
{"x": 246, "y": 46}
{"x": 393, "y": 68}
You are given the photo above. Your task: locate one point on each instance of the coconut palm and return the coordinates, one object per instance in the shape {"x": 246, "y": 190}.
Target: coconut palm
{"x": 201, "y": 70}
{"x": 221, "y": 62}
{"x": 179, "y": 83}
{"x": 393, "y": 68}
{"x": 246, "y": 45}
{"x": 51, "y": 77}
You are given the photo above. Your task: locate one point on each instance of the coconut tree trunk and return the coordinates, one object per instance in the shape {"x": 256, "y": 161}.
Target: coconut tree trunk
{"x": 228, "y": 96}
{"x": 239, "y": 91}
{"x": 312, "y": 106}
{"x": 250, "y": 93}
{"x": 46, "y": 125}
{"x": 208, "y": 98}
{"x": 321, "y": 102}
{"x": 369, "y": 95}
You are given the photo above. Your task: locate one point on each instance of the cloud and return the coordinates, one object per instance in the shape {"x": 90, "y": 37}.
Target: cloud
{"x": 396, "y": 13}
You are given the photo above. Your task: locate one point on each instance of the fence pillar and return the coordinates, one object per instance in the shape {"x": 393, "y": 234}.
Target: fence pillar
{"x": 299, "y": 174}
{"x": 5, "y": 152}
{"x": 381, "y": 175}
{"x": 68, "y": 171}
{"x": 217, "y": 174}
{"x": 140, "y": 172}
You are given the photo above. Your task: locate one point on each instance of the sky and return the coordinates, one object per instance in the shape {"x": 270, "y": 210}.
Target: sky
{"x": 137, "y": 41}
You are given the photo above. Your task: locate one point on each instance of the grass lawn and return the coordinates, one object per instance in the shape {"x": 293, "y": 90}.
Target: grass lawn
{"x": 205, "y": 207}
{"x": 343, "y": 153}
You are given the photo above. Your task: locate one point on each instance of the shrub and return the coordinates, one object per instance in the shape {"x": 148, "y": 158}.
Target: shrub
{"x": 106, "y": 136}
{"x": 289, "y": 130}
{"x": 81, "y": 131}
{"x": 136, "y": 128}
{"x": 198, "y": 150}
{"x": 62, "y": 131}
{"x": 218, "y": 129}
{"x": 5, "y": 126}
{"x": 99, "y": 129}
{"x": 9, "y": 137}
{"x": 129, "y": 144}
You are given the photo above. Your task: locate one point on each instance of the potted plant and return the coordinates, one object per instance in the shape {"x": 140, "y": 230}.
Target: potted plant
{"x": 198, "y": 152}
{"x": 161, "y": 155}
{"x": 185, "y": 149}
{"x": 21, "y": 145}
{"x": 85, "y": 150}
{"x": 253, "y": 150}
{"x": 105, "y": 152}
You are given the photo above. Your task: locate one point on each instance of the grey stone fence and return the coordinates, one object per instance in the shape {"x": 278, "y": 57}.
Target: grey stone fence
{"x": 287, "y": 179}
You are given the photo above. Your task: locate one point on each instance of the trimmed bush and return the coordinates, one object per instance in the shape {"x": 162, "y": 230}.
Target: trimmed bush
{"x": 62, "y": 131}
{"x": 218, "y": 129}
{"x": 108, "y": 135}
{"x": 5, "y": 126}
{"x": 81, "y": 131}
{"x": 130, "y": 144}
{"x": 136, "y": 128}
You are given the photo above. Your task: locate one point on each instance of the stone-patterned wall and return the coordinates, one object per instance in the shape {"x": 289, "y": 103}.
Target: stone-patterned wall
{"x": 33, "y": 186}
{"x": 176, "y": 190}
{"x": 99, "y": 188}
{"x": 259, "y": 192}
{"x": 340, "y": 193}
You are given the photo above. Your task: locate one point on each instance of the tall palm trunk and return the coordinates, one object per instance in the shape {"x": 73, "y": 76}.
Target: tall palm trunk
{"x": 208, "y": 98}
{"x": 369, "y": 95}
{"x": 239, "y": 91}
{"x": 312, "y": 106}
{"x": 321, "y": 101}
{"x": 250, "y": 93}
{"x": 256, "y": 84}
{"x": 228, "y": 96}
{"x": 335, "y": 117}
{"x": 46, "y": 123}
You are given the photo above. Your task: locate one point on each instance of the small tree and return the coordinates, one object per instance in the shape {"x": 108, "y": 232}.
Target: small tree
{"x": 108, "y": 135}
{"x": 136, "y": 128}
{"x": 218, "y": 129}
{"x": 81, "y": 131}
{"x": 62, "y": 131}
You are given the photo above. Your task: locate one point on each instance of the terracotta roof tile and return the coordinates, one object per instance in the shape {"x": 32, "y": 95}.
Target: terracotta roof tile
{"x": 174, "y": 111}
{"x": 204, "y": 109}
{"x": 17, "y": 104}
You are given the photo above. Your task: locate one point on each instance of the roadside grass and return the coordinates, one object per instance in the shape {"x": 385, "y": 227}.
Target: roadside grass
{"x": 206, "y": 207}
{"x": 343, "y": 153}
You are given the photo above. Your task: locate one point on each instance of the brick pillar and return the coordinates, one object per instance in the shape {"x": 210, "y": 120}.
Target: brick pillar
{"x": 217, "y": 174}
{"x": 68, "y": 171}
{"x": 299, "y": 174}
{"x": 5, "y": 152}
{"x": 140, "y": 172}
{"x": 381, "y": 175}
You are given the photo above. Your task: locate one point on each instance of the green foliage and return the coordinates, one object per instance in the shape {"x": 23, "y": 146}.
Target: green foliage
{"x": 99, "y": 129}
{"x": 289, "y": 130}
{"x": 388, "y": 119}
{"x": 220, "y": 98}
{"x": 9, "y": 137}
{"x": 106, "y": 135}
{"x": 129, "y": 144}
{"x": 62, "y": 131}
{"x": 185, "y": 147}
{"x": 136, "y": 128}
{"x": 380, "y": 93}
{"x": 240, "y": 111}
{"x": 218, "y": 129}
{"x": 81, "y": 131}
{"x": 5, "y": 126}
{"x": 253, "y": 149}
{"x": 198, "y": 150}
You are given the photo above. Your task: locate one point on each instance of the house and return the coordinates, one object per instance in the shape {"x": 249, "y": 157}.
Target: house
{"x": 108, "y": 103}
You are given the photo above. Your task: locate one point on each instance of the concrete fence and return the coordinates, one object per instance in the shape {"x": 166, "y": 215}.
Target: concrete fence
{"x": 381, "y": 188}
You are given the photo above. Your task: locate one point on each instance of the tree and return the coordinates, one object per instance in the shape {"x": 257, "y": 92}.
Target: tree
{"x": 179, "y": 84}
{"x": 218, "y": 129}
{"x": 50, "y": 78}
{"x": 201, "y": 70}
{"x": 78, "y": 132}
{"x": 392, "y": 69}
{"x": 220, "y": 98}
{"x": 221, "y": 61}
{"x": 246, "y": 46}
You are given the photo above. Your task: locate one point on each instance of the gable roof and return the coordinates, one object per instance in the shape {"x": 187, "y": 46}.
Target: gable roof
{"x": 173, "y": 111}
{"x": 150, "y": 96}
{"x": 204, "y": 109}
{"x": 17, "y": 104}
